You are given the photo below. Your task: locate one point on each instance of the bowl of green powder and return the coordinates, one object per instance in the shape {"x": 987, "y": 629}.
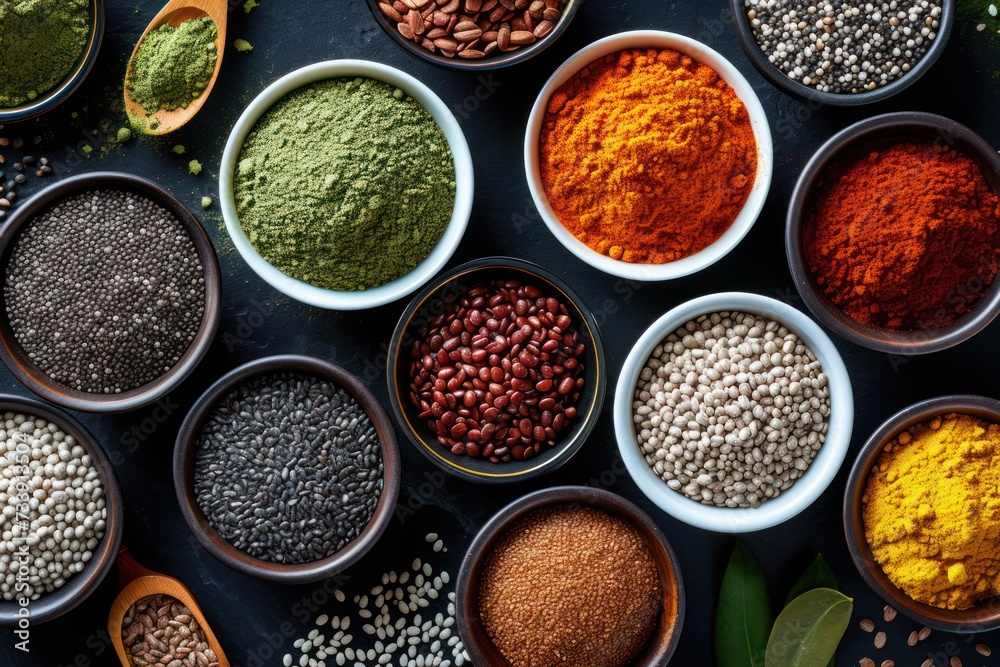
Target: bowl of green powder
{"x": 48, "y": 49}
{"x": 346, "y": 184}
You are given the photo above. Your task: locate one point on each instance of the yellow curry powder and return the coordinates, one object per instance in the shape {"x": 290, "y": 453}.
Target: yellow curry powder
{"x": 932, "y": 511}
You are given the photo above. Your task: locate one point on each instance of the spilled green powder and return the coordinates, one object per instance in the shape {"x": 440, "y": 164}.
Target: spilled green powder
{"x": 179, "y": 149}
{"x": 40, "y": 43}
{"x": 249, "y": 6}
{"x": 345, "y": 184}
{"x": 194, "y": 167}
{"x": 173, "y": 66}
{"x": 124, "y": 134}
{"x": 243, "y": 46}
{"x": 980, "y": 28}
{"x": 206, "y": 202}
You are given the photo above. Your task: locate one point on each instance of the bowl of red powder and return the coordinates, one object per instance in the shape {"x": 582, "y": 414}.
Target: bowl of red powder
{"x": 648, "y": 155}
{"x": 893, "y": 234}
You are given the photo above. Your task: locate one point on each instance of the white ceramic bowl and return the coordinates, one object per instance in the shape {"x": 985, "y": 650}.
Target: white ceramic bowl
{"x": 464, "y": 183}
{"x": 807, "y": 488}
{"x": 653, "y": 39}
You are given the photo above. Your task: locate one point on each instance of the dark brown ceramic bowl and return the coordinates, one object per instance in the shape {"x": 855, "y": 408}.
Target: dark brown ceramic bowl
{"x": 981, "y": 618}
{"x": 868, "y": 135}
{"x": 56, "y": 96}
{"x": 79, "y": 587}
{"x": 818, "y": 98}
{"x": 495, "y": 60}
{"x": 666, "y": 634}
{"x": 32, "y": 377}
{"x": 427, "y": 304}
{"x": 215, "y": 544}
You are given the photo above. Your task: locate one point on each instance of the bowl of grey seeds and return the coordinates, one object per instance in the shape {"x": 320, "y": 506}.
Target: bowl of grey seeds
{"x": 843, "y": 53}
{"x": 287, "y": 469}
{"x": 733, "y": 412}
{"x": 61, "y": 519}
{"x": 111, "y": 293}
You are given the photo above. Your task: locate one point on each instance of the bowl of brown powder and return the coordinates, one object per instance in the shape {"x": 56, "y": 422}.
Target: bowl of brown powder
{"x": 591, "y": 564}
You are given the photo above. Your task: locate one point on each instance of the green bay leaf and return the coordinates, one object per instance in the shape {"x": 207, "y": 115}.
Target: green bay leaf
{"x": 743, "y": 617}
{"x": 808, "y": 631}
{"x": 817, "y": 575}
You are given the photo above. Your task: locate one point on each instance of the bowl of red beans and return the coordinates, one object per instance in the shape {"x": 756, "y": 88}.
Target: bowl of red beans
{"x": 496, "y": 371}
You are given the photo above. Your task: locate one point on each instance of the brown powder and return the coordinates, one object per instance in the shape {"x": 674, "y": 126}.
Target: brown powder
{"x": 570, "y": 585}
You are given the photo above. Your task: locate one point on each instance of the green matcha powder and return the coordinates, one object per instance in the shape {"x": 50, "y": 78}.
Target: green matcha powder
{"x": 173, "y": 65}
{"x": 345, "y": 184}
{"x": 40, "y": 43}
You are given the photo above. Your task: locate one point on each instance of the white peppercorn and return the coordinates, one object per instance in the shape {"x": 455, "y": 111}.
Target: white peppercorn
{"x": 731, "y": 409}
{"x": 53, "y": 502}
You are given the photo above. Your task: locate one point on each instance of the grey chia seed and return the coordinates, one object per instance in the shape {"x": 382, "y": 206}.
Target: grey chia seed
{"x": 288, "y": 468}
{"x": 105, "y": 291}
{"x": 844, "y": 47}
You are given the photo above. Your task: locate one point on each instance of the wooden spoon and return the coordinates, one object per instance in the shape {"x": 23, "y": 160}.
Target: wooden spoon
{"x": 136, "y": 582}
{"x": 175, "y": 13}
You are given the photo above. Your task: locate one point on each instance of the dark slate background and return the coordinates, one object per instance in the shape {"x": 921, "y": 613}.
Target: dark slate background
{"x": 493, "y": 110}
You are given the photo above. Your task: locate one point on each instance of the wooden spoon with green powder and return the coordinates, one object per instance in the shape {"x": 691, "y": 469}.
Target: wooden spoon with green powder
{"x": 175, "y": 64}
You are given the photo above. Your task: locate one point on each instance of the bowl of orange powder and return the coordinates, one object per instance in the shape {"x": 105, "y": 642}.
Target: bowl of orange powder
{"x": 893, "y": 233}
{"x": 648, "y": 155}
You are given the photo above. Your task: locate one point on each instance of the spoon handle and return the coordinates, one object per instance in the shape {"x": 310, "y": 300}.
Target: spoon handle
{"x": 129, "y": 569}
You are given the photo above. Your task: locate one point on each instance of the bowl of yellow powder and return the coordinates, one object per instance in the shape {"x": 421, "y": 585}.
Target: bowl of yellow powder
{"x": 346, "y": 184}
{"x": 922, "y": 512}
{"x": 648, "y": 155}
{"x": 48, "y": 49}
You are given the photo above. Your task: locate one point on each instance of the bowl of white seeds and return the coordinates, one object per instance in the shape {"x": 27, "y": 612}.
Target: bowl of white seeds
{"x": 61, "y": 514}
{"x": 733, "y": 412}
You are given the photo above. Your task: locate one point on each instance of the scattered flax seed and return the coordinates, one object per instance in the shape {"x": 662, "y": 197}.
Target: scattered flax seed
{"x": 955, "y": 662}
{"x": 927, "y": 663}
{"x": 880, "y": 640}
{"x": 890, "y": 613}
{"x": 867, "y": 662}
{"x": 983, "y": 649}
{"x": 867, "y": 625}
{"x": 913, "y": 639}
{"x": 888, "y": 663}
{"x": 924, "y": 633}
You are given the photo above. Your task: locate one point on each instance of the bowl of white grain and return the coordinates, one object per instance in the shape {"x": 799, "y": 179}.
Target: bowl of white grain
{"x": 733, "y": 412}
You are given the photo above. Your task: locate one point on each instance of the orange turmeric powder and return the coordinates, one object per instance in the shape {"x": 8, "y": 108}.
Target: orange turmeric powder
{"x": 647, "y": 156}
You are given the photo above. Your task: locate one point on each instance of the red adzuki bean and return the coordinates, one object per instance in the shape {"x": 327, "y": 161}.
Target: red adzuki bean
{"x": 498, "y": 374}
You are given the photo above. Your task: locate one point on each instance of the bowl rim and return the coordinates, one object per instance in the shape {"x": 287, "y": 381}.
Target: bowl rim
{"x": 587, "y": 419}
{"x": 824, "y": 467}
{"x": 391, "y": 291}
{"x": 981, "y": 618}
{"x": 483, "y": 64}
{"x": 41, "y": 384}
{"x": 605, "y": 500}
{"x": 903, "y": 123}
{"x": 73, "y": 79}
{"x": 215, "y": 544}
{"x": 747, "y": 216}
{"x": 83, "y": 584}
{"x": 780, "y": 80}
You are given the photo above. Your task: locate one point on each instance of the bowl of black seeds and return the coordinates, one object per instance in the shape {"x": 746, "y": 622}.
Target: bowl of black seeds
{"x": 287, "y": 469}
{"x": 843, "y": 53}
{"x": 111, "y": 293}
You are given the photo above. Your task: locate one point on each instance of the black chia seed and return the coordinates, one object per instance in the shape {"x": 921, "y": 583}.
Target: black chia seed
{"x": 288, "y": 468}
{"x": 841, "y": 46}
{"x": 105, "y": 291}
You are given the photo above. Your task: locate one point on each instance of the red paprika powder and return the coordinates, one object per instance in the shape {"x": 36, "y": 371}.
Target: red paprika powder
{"x": 904, "y": 237}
